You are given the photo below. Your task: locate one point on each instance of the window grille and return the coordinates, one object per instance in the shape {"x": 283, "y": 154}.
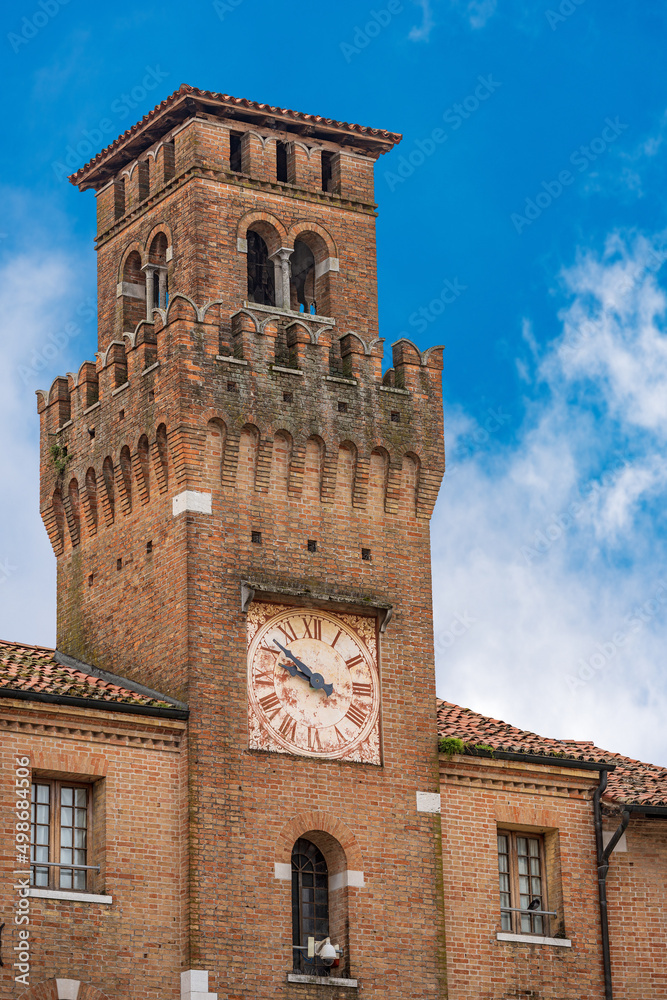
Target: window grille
{"x": 523, "y": 900}
{"x": 60, "y": 826}
{"x": 310, "y": 905}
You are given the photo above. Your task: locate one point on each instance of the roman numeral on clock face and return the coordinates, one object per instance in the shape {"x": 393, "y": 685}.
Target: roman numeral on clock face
{"x": 288, "y": 727}
{"x": 288, "y": 631}
{"x": 313, "y": 627}
{"x": 264, "y": 677}
{"x": 356, "y": 716}
{"x": 271, "y": 704}
{"x": 314, "y": 739}
{"x": 354, "y": 662}
{"x": 362, "y": 690}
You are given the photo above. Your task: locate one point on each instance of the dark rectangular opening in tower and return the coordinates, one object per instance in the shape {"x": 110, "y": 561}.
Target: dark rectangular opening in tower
{"x": 281, "y": 161}
{"x": 327, "y": 174}
{"x": 235, "y": 151}
{"x": 144, "y": 179}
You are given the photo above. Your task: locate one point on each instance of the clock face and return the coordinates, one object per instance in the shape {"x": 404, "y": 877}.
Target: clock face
{"x": 313, "y": 683}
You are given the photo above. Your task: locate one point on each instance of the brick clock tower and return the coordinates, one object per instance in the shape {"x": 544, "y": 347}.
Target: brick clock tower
{"x": 239, "y": 503}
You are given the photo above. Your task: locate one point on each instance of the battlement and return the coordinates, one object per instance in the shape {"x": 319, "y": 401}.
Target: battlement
{"x": 158, "y": 410}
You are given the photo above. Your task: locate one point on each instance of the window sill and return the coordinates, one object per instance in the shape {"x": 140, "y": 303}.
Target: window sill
{"x": 293, "y": 977}
{"x": 289, "y": 313}
{"x": 535, "y": 939}
{"x": 74, "y": 897}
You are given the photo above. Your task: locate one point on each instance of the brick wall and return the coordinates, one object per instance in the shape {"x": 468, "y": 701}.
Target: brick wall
{"x": 136, "y": 947}
{"x": 636, "y": 891}
{"x": 479, "y": 797}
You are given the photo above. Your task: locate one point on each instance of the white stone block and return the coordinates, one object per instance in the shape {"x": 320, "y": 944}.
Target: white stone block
{"x": 342, "y": 879}
{"x": 194, "y": 981}
{"x": 330, "y": 264}
{"x": 191, "y": 500}
{"x": 622, "y": 845}
{"x": 282, "y": 871}
{"x": 428, "y": 802}
{"x": 68, "y": 989}
{"x": 194, "y": 985}
{"x": 241, "y": 245}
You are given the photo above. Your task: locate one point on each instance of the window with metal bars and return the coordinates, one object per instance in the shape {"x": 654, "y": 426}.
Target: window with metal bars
{"x": 60, "y": 826}
{"x": 523, "y": 899}
{"x": 310, "y": 905}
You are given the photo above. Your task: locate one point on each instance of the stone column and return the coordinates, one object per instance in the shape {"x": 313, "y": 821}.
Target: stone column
{"x": 162, "y": 278}
{"x": 281, "y": 263}
{"x": 149, "y": 270}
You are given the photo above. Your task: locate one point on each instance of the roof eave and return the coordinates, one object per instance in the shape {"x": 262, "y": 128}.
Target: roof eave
{"x": 184, "y": 104}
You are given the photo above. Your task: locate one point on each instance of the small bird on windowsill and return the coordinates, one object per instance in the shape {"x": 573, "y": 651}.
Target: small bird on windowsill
{"x": 534, "y": 904}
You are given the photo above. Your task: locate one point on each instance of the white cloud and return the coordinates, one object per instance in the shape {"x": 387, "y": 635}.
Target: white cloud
{"x": 476, "y": 12}
{"x": 41, "y": 292}
{"x": 422, "y": 32}
{"x": 480, "y": 11}
{"x": 554, "y": 542}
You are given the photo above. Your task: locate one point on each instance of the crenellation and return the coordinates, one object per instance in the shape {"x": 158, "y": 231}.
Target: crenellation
{"x": 249, "y": 388}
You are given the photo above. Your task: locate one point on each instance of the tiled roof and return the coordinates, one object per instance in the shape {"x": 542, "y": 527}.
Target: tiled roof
{"x": 380, "y": 137}
{"x": 33, "y": 669}
{"x": 632, "y": 782}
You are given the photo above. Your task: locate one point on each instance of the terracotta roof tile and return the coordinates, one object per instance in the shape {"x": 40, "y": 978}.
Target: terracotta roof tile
{"x": 34, "y": 669}
{"x": 185, "y": 90}
{"x": 632, "y": 782}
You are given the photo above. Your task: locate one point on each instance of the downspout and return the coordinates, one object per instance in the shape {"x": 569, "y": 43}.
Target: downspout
{"x": 603, "y": 855}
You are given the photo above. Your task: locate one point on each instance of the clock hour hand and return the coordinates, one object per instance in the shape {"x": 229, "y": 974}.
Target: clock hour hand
{"x": 316, "y": 680}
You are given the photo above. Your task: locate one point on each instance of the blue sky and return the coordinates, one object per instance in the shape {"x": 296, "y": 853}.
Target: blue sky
{"x": 522, "y": 224}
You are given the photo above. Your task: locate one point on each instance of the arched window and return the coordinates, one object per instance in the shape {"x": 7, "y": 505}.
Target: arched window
{"x": 134, "y": 292}
{"x": 310, "y": 905}
{"x": 157, "y": 261}
{"x": 302, "y": 285}
{"x": 261, "y": 272}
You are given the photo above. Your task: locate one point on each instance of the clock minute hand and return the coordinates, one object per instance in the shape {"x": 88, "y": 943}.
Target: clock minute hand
{"x": 306, "y": 671}
{"x": 316, "y": 680}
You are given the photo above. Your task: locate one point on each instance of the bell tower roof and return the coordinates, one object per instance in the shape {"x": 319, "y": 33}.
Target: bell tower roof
{"x": 188, "y": 102}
